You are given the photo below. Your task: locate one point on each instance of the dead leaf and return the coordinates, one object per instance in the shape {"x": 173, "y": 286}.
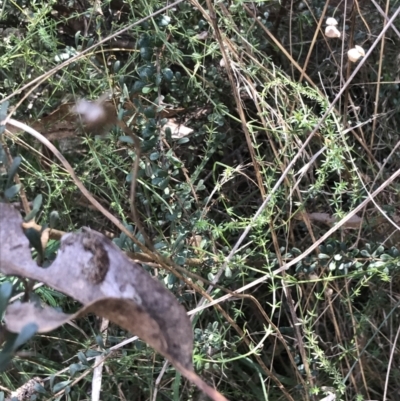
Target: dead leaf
{"x": 354, "y": 222}
{"x": 321, "y": 217}
{"x": 92, "y": 270}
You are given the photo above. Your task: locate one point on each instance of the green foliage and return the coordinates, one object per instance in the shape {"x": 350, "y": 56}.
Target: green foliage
{"x": 205, "y": 185}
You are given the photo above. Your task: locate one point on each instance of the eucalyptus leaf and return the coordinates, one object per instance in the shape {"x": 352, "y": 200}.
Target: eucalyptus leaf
{"x": 126, "y": 139}
{"x": 27, "y": 332}
{"x": 34, "y": 237}
{"x": 13, "y": 170}
{"x": 37, "y": 202}
{"x": 5, "y": 294}
{"x": 3, "y": 114}
{"x": 106, "y": 282}
{"x": 12, "y": 191}
{"x": 99, "y": 341}
{"x": 76, "y": 367}
{"x": 82, "y": 358}
{"x": 5, "y": 359}
{"x": 40, "y": 389}
{"x": 60, "y": 386}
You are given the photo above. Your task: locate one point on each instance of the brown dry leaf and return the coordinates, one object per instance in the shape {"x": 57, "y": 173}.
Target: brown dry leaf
{"x": 354, "y": 222}
{"x": 92, "y": 270}
{"x": 59, "y": 125}
{"x": 322, "y": 217}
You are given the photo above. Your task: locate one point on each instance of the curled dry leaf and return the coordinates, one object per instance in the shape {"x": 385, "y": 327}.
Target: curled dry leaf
{"x": 354, "y": 222}
{"x": 92, "y": 270}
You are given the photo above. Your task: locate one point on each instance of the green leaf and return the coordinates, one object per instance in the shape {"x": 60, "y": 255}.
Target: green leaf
{"x": 365, "y": 253}
{"x": 127, "y": 139}
{"x": 150, "y": 112}
{"x": 385, "y": 257}
{"x": 27, "y": 332}
{"x": 75, "y": 367}
{"x": 154, "y": 156}
{"x": 77, "y": 37}
{"x": 82, "y": 358}
{"x": 99, "y": 341}
{"x": 37, "y": 203}
{"x": 183, "y": 140}
{"x": 158, "y": 79}
{"x": 323, "y": 256}
{"x": 168, "y": 74}
{"x": 144, "y": 41}
{"x": 3, "y": 114}
{"x": 147, "y": 89}
{"x": 93, "y": 353}
{"x": 9, "y": 193}
{"x": 54, "y": 219}
{"x": 146, "y": 53}
{"x": 117, "y": 66}
{"x": 5, "y": 294}
{"x": 172, "y": 279}
{"x": 60, "y": 386}
{"x": 13, "y": 170}
{"x": 180, "y": 260}
{"x": 138, "y": 86}
{"x": 5, "y": 359}
{"x": 34, "y": 239}
{"x": 39, "y": 388}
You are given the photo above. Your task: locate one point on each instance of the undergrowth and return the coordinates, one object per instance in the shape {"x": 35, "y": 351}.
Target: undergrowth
{"x": 326, "y": 325}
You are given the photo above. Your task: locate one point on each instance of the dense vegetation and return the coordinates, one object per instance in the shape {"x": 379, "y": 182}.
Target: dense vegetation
{"x": 251, "y": 120}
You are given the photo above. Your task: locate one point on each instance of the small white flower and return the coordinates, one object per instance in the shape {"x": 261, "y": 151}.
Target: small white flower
{"x": 332, "y": 32}
{"x": 355, "y": 53}
{"x": 331, "y": 21}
